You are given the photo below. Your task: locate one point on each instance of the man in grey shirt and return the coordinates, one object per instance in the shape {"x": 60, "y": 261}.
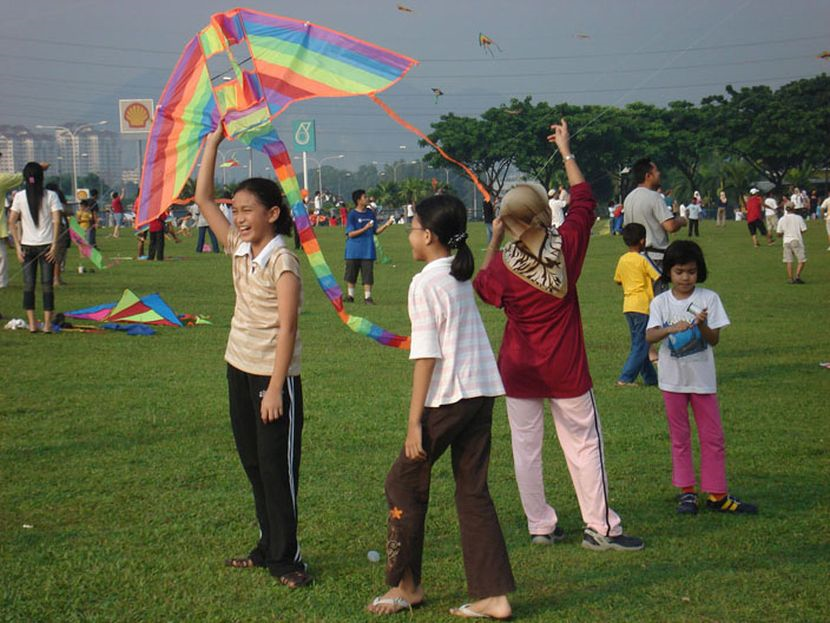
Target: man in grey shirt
{"x": 644, "y": 205}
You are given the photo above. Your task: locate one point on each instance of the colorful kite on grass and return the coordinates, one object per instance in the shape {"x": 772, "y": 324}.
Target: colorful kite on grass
{"x": 486, "y": 42}
{"x": 150, "y": 309}
{"x": 283, "y": 61}
{"x": 78, "y": 235}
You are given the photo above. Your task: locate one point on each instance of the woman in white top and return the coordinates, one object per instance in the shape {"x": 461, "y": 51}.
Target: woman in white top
{"x": 35, "y": 222}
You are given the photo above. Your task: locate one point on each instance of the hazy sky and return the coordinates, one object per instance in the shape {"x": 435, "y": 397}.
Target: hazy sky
{"x": 65, "y": 61}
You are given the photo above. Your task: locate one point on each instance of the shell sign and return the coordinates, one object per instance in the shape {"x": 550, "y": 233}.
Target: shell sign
{"x": 135, "y": 116}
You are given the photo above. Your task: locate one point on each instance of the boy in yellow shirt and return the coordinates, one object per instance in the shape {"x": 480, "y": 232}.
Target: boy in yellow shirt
{"x": 636, "y": 274}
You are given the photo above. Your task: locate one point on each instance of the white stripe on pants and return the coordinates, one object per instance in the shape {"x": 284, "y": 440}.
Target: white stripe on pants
{"x": 580, "y": 435}
{"x": 4, "y": 274}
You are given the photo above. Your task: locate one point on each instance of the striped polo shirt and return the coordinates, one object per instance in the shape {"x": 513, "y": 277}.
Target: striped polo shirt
{"x": 252, "y": 343}
{"x": 447, "y": 326}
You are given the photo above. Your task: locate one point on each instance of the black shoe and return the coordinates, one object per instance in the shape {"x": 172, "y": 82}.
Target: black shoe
{"x": 348, "y": 299}
{"x": 728, "y": 504}
{"x": 369, "y": 301}
{"x": 798, "y": 280}
{"x": 687, "y": 504}
{"x": 557, "y": 535}
{"x": 591, "y": 539}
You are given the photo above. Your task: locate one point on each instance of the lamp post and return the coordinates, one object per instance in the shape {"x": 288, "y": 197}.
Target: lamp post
{"x": 319, "y": 164}
{"x": 74, "y": 136}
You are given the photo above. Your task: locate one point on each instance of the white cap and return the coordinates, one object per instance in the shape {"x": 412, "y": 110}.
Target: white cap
{"x": 754, "y": 191}
{"x": 551, "y": 193}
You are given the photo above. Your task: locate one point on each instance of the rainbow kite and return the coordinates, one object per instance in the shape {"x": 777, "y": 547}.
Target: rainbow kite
{"x": 78, "y": 236}
{"x": 290, "y": 60}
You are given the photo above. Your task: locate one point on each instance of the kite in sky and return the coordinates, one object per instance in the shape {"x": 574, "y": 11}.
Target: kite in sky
{"x": 285, "y": 61}
{"x": 437, "y": 93}
{"x": 404, "y": 9}
{"x": 824, "y": 55}
{"x": 582, "y": 35}
{"x": 485, "y": 42}
{"x": 229, "y": 163}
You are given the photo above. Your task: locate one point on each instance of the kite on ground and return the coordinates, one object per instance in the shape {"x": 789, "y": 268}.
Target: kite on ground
{"x": 289, "y": 61}
{"x": 150, "y": 309}
{"x": 485, "y": 42}
{"x": 78, "y": 235}
{"x": 437, "y": 93}
{"x": 404, "y": 9}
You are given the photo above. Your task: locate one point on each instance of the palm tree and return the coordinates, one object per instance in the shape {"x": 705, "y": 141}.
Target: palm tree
{"x": 386, "y": 194}
{"x": 414, "y": 189}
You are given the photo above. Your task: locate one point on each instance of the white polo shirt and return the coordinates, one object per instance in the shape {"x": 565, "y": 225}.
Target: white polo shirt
{"x": 40, "y": 234}
{"x": 447, "y": 327}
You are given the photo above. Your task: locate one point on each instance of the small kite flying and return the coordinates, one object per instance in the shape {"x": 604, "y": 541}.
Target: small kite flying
{"x": 229, "y": 163}
{"x": 437, "y": 93}
{"x": 291, "y": 60}
{"x": 824, "y": 55}
{"x": 404, "y": 9}
{"x": 485, "y": 42}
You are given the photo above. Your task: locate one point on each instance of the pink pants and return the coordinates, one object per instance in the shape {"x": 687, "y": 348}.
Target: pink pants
{"x": 580, "y": 435}
{"x": 710, "y": 433}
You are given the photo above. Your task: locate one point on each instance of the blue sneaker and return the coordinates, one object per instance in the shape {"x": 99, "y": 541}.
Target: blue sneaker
{"x": 592, "y": 539}
{"x": 556, "y": 536}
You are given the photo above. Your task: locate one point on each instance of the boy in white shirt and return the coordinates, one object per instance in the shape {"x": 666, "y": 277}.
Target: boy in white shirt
{"x": 790, "y": 227}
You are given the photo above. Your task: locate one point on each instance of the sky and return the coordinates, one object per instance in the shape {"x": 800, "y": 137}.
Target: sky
{"x": 64, "y": 61}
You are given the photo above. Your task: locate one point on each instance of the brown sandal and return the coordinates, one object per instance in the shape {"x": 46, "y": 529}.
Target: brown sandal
{"x": 295, "y": 579}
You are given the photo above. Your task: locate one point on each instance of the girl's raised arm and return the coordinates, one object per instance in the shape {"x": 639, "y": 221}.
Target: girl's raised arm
{"x": 204, "y": 187}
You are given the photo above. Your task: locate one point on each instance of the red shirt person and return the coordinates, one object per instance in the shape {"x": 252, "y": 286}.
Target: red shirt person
{"x": 755, "y": 217}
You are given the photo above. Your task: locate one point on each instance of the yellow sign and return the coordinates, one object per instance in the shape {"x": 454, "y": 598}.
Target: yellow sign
{"x": 135, "y": 116}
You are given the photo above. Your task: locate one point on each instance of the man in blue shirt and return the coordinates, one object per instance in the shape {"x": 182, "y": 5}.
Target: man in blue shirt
{"x": 360, "y": 246}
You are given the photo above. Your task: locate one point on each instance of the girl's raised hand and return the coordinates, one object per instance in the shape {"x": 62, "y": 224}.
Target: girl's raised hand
{"x": 217, "y": 136}
{"x": 498, "y": 232}
{"x": 561, "y": 137}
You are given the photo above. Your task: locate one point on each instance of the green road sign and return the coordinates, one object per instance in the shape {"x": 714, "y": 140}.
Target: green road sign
{"x": 305, "y": 138}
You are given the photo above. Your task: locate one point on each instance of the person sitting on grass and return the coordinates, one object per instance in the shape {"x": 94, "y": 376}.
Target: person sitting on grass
{"x": 543, "y": 357}
{"x": 263, "y": 360}
{"x": 636, "y": 274}
{"x": 688, "y": 320}
{"x": 454, "y": 384}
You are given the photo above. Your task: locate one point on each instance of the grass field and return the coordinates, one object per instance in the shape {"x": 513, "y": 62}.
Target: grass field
{"x": 121, "y": 491}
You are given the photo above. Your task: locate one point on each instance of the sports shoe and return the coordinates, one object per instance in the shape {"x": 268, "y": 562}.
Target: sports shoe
{"x": 348, "y": 299}
{"x": 798, "y": 280}
{"x": 369, "y": 300}
{"x": 557, "y": 535}
{"x": 729, "y": 504}
{"x": 687, "y": 504}
{"x": 591, "y": 539}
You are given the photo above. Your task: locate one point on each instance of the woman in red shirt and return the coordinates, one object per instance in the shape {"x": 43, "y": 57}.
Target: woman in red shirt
{"x": 543, "y": 352}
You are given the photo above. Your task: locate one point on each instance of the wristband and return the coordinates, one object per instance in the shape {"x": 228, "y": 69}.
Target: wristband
{"x": 568, "y": 157}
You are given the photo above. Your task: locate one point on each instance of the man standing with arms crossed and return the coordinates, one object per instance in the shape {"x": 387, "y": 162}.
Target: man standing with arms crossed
{"x": 644, "y": 205}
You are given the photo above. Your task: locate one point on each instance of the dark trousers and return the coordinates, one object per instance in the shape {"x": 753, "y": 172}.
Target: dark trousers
{"x": 465, "y": 428}
{"x": 156, "y": 246}
{"x": 270, "y": 456}
{"x": 34, "y": 255}
{"x": 92, "y": 235}
{"x": 200, "y": 243}
{"x": 694, "y": 226}
{"x": 638, "y": 362}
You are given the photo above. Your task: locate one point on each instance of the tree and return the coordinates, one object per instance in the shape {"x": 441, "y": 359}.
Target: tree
{"x": 386, "y": 194}
{"x": 414, "y": 189}
{"x": 775, "y": 131}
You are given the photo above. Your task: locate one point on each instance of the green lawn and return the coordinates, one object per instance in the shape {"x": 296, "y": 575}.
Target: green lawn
{"x": 117, "y": 452}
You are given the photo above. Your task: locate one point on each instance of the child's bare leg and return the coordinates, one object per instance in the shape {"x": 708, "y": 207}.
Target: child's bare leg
{"x": 406, "y": 590}
{"x": 789, "y": 271}
{"x": 495, "y": 607}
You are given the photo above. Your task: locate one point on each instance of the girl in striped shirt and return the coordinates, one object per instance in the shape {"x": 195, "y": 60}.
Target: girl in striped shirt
{"x": 454, "y": 385}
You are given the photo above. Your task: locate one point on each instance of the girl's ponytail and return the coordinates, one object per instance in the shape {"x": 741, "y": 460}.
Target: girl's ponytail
{"x": 446, "y": 217}
{"x": 463, "y": 263}
{"x": 33, "y": 178}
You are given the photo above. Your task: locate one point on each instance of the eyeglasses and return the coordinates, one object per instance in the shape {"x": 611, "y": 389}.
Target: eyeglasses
{"x": 410, "y": 229}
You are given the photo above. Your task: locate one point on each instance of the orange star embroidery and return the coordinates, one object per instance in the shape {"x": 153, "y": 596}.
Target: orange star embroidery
{"x": 396, "y": 513}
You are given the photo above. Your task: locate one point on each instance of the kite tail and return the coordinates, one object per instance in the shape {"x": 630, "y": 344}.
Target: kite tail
{"x": 276, "y": 152}
{"x": 397, "y": 118}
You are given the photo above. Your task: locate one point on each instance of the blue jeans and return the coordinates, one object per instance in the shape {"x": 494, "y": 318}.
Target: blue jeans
{"x": 201, "y": 242}
{"x": 637, "y": 362}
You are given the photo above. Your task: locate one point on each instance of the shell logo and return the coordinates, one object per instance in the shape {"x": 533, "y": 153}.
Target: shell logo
{"x": 136, "y": 115}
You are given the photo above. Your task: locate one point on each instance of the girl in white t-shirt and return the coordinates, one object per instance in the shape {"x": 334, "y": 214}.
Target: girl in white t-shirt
{"x": 35, "y": 223}
{"x": 688, "y": 320}
{"x": 454, "y": 385}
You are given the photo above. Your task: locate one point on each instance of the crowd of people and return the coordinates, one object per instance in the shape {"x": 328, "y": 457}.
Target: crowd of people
{"x": 537, "y": 244}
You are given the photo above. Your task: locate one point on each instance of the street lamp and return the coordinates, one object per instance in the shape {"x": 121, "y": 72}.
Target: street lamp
{"x": 74, "y": 136}
{"x": 320, "y": 167}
